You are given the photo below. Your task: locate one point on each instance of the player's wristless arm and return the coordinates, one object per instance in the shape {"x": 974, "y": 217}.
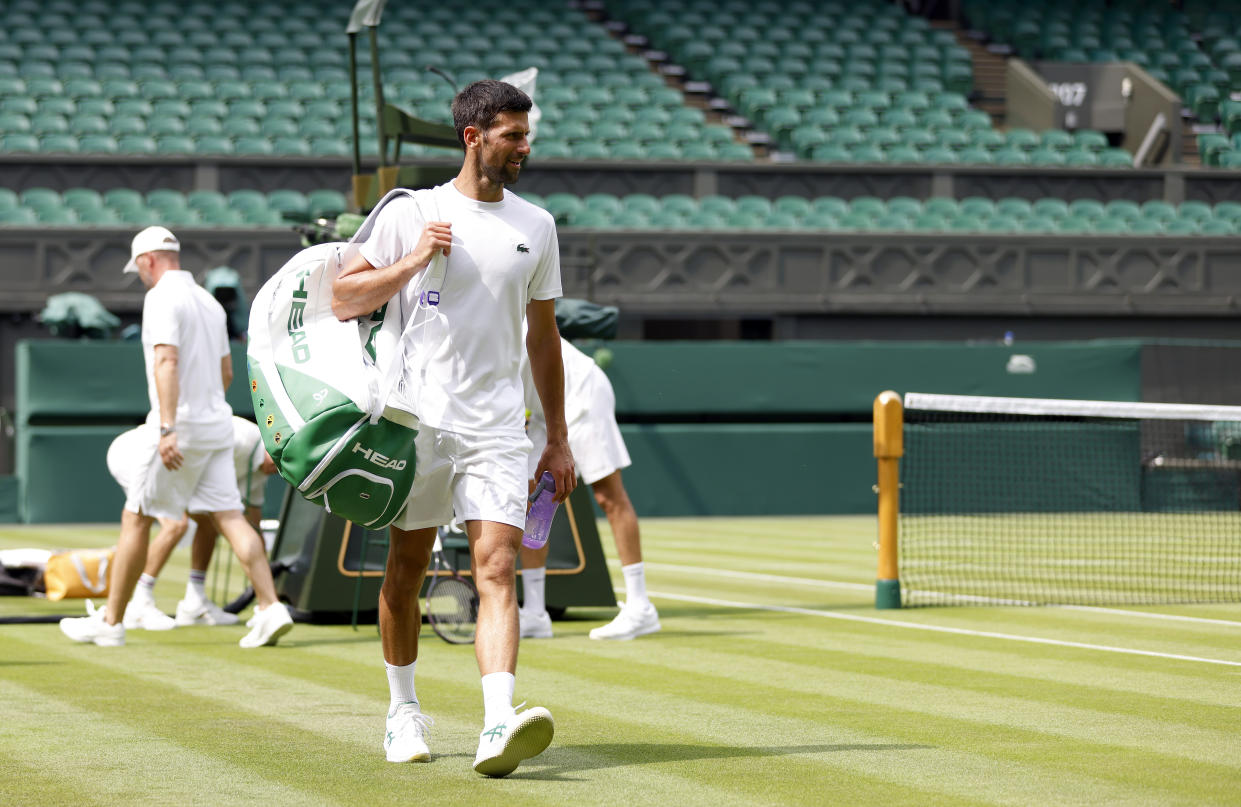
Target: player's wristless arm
{"x": 359, "y": 291}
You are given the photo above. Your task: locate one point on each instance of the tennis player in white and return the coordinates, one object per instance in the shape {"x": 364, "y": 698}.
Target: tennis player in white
{"x": 503, "y": 265}
{"x": 599, "y": 453}
{"x": 188, "y": 366}
{"x": 128, "y": 458}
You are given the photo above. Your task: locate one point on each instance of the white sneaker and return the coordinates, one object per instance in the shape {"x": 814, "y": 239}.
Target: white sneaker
{"x": 143, "y": 614}
{"x": 93, "y": 628}
{"x": 192, "y": 611}
{"x": 629, "y": 623}
{"x": 535, "y": 626}
{"x": 270, "y": 624}
{"x": 502, "y": 746}
{"x": 406, "y": 737}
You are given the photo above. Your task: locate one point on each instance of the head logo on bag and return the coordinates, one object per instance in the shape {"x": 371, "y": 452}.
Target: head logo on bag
{"x": 320, "y": 387}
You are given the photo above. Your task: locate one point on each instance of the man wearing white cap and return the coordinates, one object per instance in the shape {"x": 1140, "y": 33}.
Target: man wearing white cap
{"x": 188, "y": 367}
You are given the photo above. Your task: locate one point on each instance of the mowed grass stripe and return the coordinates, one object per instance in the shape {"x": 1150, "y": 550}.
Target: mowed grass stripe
{"x": 1001, "y": 701}
{"x": 453, "y": 779}
{"x": 914, "y": 753}
{"x": 804, "y": 639}
{"x": 1134, "y": 753}
{"x": 250, "y": 735}
{"x": 107, "y": 744}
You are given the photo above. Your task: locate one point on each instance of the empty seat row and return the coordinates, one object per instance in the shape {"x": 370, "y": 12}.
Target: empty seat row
{"x": 127, "y": 207}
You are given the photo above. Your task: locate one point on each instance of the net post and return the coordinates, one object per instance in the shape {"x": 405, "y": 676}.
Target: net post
{"x": 889, "y": 447}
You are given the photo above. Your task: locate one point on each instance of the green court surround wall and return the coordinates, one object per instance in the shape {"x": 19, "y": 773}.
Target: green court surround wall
{"x": 714, "y": 428}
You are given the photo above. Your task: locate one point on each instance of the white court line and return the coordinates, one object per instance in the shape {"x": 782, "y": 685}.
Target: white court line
{"x": 770, "y": 578}
{"x": 807, "y": 581}
{"x": 896, "y": 623}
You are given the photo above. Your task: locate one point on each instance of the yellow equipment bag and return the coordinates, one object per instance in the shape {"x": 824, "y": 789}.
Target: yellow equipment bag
{"x": 78, "y": 573}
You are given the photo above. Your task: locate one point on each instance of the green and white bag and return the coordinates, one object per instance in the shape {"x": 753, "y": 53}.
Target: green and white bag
{"x": 321, "y": 387}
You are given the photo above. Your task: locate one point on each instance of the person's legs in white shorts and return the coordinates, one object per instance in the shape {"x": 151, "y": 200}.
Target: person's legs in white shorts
{"x": 468, "y": 477}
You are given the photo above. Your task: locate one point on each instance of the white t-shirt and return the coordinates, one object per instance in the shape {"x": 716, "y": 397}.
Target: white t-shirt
{"x": 504, "y": 254}
{"x": 179, "y": 312}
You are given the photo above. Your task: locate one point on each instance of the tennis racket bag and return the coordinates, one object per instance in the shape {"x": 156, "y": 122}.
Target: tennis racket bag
{"x": 320, "y": 387}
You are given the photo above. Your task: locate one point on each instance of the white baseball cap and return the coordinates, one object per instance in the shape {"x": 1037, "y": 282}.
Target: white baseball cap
{"x": 151, "y": 239}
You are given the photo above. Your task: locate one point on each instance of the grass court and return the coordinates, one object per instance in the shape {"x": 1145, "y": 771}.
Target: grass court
{"x": 773, "y": 682}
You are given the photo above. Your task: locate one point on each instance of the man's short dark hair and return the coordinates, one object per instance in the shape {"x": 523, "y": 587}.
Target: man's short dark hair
{"x": 479, "y": 104}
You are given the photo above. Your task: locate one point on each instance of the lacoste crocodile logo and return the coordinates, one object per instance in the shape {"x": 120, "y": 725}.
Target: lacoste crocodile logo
{"x": 523, "y": 248}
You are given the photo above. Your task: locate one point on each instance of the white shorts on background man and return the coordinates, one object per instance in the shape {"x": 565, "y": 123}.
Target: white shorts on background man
{"x": 590, "y": 412}
{"x": 133, "y": 461}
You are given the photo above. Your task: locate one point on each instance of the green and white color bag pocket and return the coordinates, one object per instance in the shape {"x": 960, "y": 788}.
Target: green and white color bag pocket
{"x": 321, "y": 387}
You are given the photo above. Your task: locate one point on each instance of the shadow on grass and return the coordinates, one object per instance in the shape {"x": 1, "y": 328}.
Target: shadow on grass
{"x": 617, "y": 755}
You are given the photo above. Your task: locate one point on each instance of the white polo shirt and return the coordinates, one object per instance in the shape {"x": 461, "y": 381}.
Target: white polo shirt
{"x": 179, "y": 312}
{"x": 504, "y": 254}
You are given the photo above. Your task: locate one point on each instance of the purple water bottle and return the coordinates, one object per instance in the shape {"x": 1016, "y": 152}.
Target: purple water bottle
{"x": 542, "y": 511}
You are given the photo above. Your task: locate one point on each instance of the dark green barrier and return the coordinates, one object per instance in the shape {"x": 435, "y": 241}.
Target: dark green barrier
{"x": 64, "y": 474}
{"x": 67, "y": 381}
{"x": 677, "y": 379}
{"x": 716, "y": 470}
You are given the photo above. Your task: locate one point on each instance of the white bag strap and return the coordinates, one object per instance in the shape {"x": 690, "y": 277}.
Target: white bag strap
{"x": 431, "y": 282}
{"x": 98, "y": 587}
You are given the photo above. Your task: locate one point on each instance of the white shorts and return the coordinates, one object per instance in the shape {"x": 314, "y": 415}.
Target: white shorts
{"x": 254, "y": 495}
{"x": 594, "y": 437}
{"x": 206, "y": 482}
{"x": 467, "y": 477}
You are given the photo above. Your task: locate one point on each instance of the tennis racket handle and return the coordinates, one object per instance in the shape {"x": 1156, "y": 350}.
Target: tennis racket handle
{"x": 542, "y": 511}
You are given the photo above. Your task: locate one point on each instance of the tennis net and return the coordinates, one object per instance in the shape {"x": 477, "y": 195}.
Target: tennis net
{"x": 1036, "y": 501}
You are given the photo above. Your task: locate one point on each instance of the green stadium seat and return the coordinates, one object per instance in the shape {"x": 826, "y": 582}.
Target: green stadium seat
{"x": 941, "y": 155}
{"x": 290, "y": 204}
{"x": 866, "y": 153}
{"x": 160, "y": 126}
{"x": 796, "y": 206}
{"x": 871, "y": 206}
{"x": 678, "y": 204}
{"x": 1011, "y": 155}
{"x": 977, "y": 207}
{"x": 1081, "y": 158}
{"x": 18, "y": 216}
{"x": 942, "y": 206}
{"x": 1090, "y": 139}
{"x": 930, "y": 222}
{"x": 903, "y": 154}
{"x": 59, "y": 143}
{"x": 174, "y": 144}
{"x": 1044, "y": 155}
{"x": 1086, "y": 209}
{"x": 1015, "y": 208}
{"x": 1193, "y": 210}
{"x": 1124, "y": 209}
{"x": 291, "y": 146}
{"x": 1216, "y": 227}
{"x": 136, "y": 144}
{"x": 1115, "y": 158}
{"x": 1055, "y": 209}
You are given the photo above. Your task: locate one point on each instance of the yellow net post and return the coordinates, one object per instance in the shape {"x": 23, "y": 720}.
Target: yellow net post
{"x": 889, "y": 448}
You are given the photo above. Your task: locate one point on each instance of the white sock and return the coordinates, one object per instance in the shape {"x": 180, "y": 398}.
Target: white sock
{"x": 401, "y": 684}
{"x": 635, "y": 585}
{"x": 145, "y": 587}
{"x": 194, "y": 589}
{"x": 533, "y": 586}
{"x": 498, "y": 696}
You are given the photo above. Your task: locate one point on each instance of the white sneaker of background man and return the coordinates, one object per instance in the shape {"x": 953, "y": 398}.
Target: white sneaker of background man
{"x": 143, "y": 614}
{"x": 203, "y": 612}
{"x": 635, "y": 619}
